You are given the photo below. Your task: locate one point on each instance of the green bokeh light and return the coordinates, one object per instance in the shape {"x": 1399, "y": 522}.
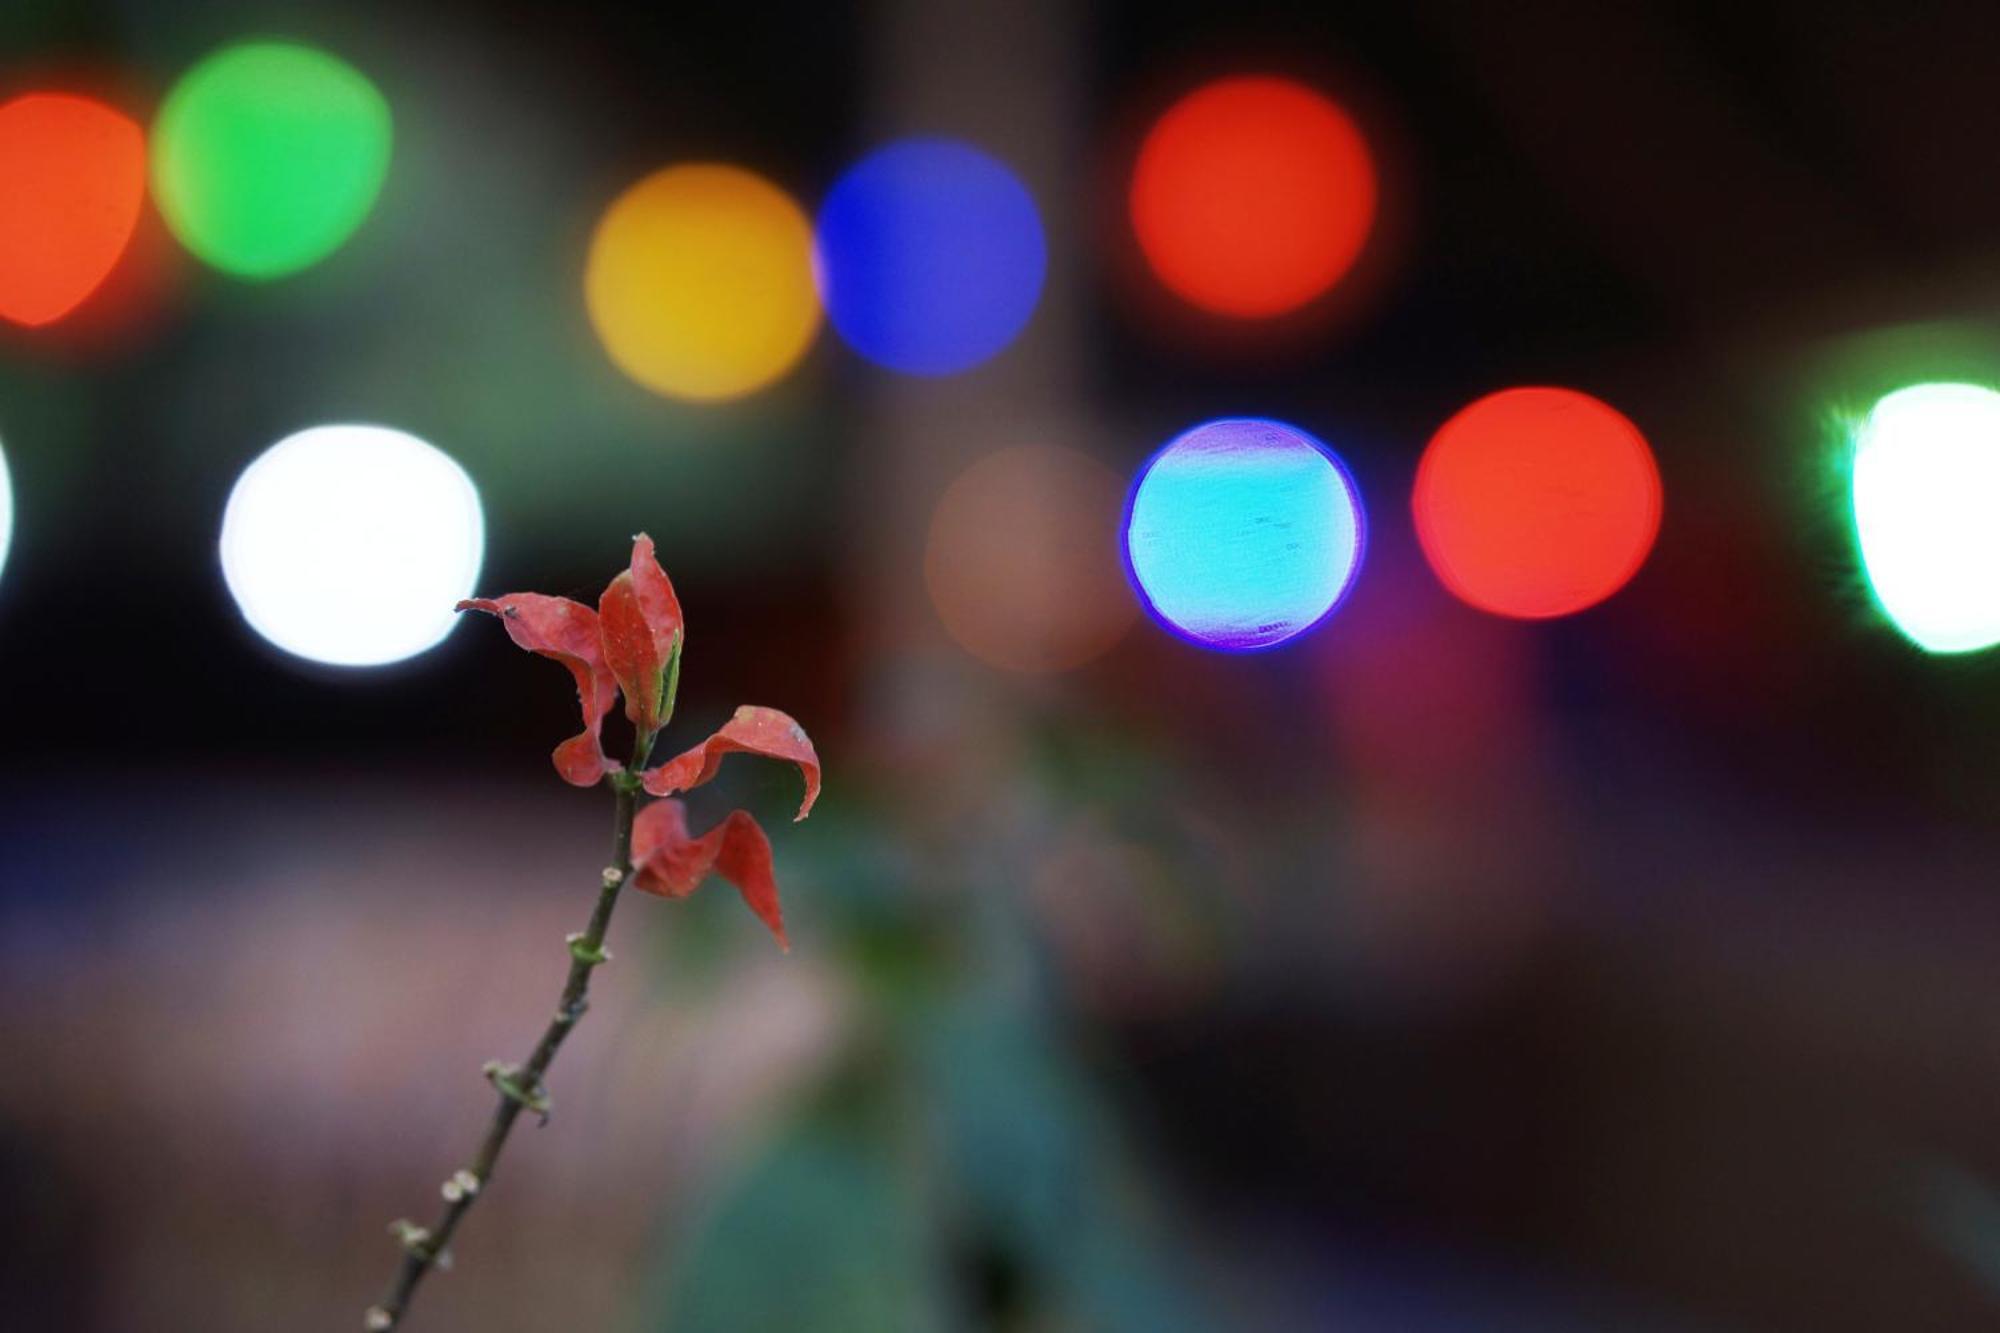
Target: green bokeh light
{"x": 268, "y": 155}
{"x": 1926, "y": 494}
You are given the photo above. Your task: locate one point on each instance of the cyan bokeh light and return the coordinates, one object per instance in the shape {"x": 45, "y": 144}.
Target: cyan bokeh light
{"x": 1242, "y": 534}
{"x": 931, "y": 256}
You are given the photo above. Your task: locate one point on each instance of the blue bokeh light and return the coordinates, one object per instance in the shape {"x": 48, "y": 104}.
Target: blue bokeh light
{"x": 1243, "y": 534}
{"x": 931, "y": 256}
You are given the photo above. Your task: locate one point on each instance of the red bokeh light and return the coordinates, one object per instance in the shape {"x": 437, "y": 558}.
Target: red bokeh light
{"x": 1537, "y": 502}
{"x": 1252, "y": 196}
{"x": 73, "y": 173}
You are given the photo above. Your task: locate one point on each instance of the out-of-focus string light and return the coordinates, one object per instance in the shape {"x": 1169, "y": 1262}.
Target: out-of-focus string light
{"x": 931, "y": 256}
{"x": 1926, "y": 496}
{"x": 1537, "y": 502}
{"x": 700, "y": 282}
{"x": 1242, "y": 534}
{"x": 72, "y": 181}
{"x": 1018, "y": 565}
{"x": 1252, "y": 196}
{"x": 350, "y": 545}
{"x": 268, "y": 155}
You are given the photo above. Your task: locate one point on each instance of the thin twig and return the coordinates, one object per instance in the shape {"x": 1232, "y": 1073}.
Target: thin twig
{"x": 519, "y": 1087}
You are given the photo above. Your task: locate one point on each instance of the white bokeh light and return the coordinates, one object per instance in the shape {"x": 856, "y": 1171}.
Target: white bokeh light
{"x": 350, "y": 544}
{"x": 6, "y": 511}
{"x": 1927, "y": 513}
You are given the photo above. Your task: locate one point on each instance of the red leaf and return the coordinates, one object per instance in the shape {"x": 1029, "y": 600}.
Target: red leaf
{"x": 566, "y": 632}
{"x": 753, "y": 730}
{"x": 656, "y": 595}
{"x": 628, "y": 652}
{"x": 672, "y": 864}
{"x": 640, "y": 618}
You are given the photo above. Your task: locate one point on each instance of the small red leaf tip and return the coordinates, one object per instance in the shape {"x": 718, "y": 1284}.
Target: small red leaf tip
{"x": 752, "y": 730}
{"x": 658, "y": 602}
{"x": 639, "y": 619}
{"x": 630, "y": 654}
{"x": 670, "y": 863}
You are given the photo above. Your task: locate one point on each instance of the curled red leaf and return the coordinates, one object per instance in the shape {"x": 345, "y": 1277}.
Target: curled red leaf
{"x": 753, "y": 730}
{"x": 668, "y": 862}
{"x": 639, "y": 620}
{"x": 566, "y": 632}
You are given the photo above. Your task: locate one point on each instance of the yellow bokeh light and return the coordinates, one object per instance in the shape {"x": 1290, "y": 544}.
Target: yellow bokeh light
{"x": 700, "y": 282}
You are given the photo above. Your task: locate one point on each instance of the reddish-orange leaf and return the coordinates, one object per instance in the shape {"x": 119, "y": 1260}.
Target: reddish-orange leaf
{"x": 628, "y": 651}
{"x": 657, "y": 602}
{"x": 668, "y": 862}
{"x": 566, "y": 632}
{"x": 753, "y": 730}
{"x": 640, "y": 620}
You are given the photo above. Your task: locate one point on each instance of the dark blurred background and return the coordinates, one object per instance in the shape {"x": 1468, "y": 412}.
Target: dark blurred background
{"x": 1438, "y": 972}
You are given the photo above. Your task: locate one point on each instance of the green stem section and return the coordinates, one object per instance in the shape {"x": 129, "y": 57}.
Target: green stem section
{"x": 520, "y": 1087}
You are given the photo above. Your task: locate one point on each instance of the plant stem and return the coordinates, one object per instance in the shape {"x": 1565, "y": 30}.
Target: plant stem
{"x": 520, "y": 1088}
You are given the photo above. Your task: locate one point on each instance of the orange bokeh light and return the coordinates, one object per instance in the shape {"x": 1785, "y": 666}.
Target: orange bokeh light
{"x": 73, "y": 173}
{"x": 1537, "y": 502}
{"x": 1252, "y": 196}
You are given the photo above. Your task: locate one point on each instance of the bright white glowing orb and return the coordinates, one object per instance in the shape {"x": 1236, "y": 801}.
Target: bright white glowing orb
{"x": 6, "y": 511}
{"x": 1927, "y": 513}
{"x": 350, "y": 544}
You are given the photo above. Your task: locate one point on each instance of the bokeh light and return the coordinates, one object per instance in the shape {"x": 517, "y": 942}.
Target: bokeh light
{"x": 700, "y": 282}
{"x": 350, "y": 545}
{"x": 1537, "y": 502}
{"x": 1926, "y": 492}
{"x": 1019, "y": 563}
{"x": 6, "y": 511}
{"x": 73, "y": 177}
{"x": 1252, "y": 196}
{"x": 931, "y": 255}
{"x": 268, "y": 155}
{"x": 1242, "y": 534}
